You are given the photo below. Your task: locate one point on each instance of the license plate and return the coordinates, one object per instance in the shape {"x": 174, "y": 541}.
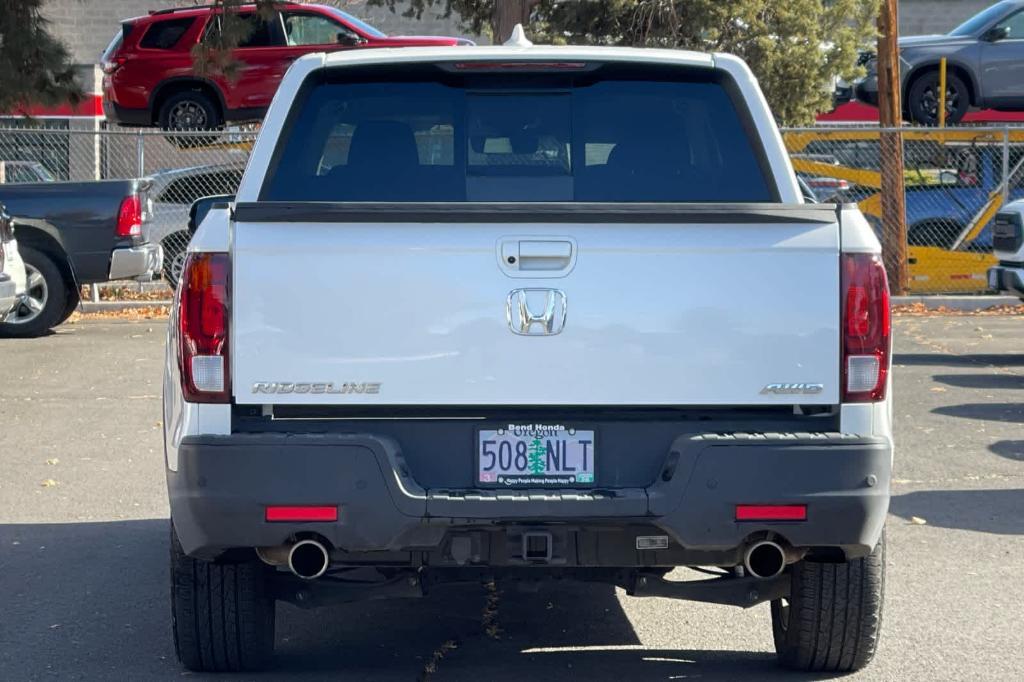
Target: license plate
{"x": 535, "y": 455}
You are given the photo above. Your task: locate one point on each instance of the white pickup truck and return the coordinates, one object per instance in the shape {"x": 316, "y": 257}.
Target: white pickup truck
{"x": 521, "y": 313}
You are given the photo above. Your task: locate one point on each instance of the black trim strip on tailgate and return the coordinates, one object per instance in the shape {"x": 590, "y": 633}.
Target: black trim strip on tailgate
{"x": 530, "y": 212}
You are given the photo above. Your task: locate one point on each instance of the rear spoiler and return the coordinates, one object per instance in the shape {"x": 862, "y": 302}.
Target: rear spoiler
{"x": 531, "y": 212}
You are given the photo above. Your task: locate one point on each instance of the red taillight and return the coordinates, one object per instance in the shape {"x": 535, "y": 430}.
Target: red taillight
{"x": 129, "y": 217}
{"x": 302, "y": 513}
{"x": 203, "y": 328}
{"x": 771, "y": 512}
{"x": 865, "y": 328}
{"x": 111, "y": 65}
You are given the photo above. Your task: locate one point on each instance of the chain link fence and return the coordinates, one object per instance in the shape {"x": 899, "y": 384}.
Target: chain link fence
{"x": 182, "y": 166}
{"x": 956, "y": 179}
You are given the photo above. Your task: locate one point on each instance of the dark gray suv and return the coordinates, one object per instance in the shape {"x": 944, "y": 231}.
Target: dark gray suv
{"x": 984, "y": 57}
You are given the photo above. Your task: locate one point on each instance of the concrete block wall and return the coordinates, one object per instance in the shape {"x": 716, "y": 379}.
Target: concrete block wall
{"x": 925, "y": 17}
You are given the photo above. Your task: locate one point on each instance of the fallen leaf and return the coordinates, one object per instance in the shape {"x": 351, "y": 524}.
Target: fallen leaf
{"x": 52, "y": 461}
{"x": 918, "y": 521}
{"x": 937, "y": 389}
{"x": 49, "y": 483}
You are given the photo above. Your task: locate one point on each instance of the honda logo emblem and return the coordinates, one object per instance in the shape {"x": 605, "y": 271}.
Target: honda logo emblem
{"x": 536, "y": 312}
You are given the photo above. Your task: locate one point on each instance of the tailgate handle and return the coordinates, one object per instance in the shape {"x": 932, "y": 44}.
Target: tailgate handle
{"x": 544, "y": 255}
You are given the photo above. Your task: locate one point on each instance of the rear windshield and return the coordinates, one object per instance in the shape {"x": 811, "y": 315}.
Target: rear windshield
{"x": 606, "y": 133}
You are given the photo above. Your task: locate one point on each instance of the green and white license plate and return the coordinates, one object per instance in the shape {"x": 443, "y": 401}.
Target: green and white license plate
{"x": 535, "y": 455}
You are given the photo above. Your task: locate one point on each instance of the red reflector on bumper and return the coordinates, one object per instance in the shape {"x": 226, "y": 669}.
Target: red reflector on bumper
{"x": 771, "y": 512}
{"x": 303, "y": 513}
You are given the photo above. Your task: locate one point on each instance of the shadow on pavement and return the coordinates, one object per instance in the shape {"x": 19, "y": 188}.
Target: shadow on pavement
{"x": 621, "y": 665}
{"x": 993, "y": 412}
{"x": 995, "y": 381}
{"x": 950, "y": 360}
{"x": 987, "y": 511}
{"x": 1010, "y": 449}
{"x": 90, "y": 601}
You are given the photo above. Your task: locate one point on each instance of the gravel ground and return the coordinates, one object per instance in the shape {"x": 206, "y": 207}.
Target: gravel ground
{"x": 83, "y": 541}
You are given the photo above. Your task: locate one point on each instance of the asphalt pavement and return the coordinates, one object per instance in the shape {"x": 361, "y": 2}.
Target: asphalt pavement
{"x": 84, "y": 531}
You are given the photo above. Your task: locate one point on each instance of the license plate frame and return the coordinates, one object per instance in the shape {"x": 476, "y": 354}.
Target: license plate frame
{"x": 526, "y": 480}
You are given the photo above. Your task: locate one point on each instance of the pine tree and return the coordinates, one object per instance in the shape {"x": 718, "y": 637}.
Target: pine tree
{"x": 536, "y": 457}
{"x": 35, "y": 67}
{"x": 795, "y": 47}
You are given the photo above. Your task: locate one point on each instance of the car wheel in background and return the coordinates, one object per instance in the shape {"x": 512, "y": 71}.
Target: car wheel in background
{"x": 222, "y": 614}
{"x": 923, "y": 99}
{"x": 46, "y": 301}
{"x": 190, "y": 110}
{"x": 833, "y": 616}
{"x": 175, "y": 249}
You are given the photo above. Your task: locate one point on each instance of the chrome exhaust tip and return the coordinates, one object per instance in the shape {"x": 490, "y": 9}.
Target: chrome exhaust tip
{"x": 764, "y": 559}
{"x": 308, "y": 559}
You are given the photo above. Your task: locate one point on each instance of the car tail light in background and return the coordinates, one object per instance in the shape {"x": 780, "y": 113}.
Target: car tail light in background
{"x": 865, "y": 328}
{"x": 828, "y": 183}
{"x": 113, "y": 65}
{"x": 129, "y": 217}
{"x": 203, "y": 328}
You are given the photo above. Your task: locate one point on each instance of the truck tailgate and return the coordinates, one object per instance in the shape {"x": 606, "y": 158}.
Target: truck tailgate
{"x": 682, "y": 306}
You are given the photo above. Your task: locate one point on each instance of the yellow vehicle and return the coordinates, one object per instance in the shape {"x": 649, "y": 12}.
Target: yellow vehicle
{"x": 953, "y": 185}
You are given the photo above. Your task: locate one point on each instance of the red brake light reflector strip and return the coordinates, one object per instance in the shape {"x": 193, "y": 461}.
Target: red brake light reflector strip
{"x": 771, "y": 512}
{"x": 129, "y": 217}
{"x": 302, "y": 513}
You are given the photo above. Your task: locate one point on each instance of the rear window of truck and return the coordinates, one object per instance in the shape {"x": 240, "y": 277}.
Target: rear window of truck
{"x": 607, "y": 133}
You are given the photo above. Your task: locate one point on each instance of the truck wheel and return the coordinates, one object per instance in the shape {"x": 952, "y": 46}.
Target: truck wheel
{"x": 74, "y": 298}
{"x": 923, "y": 99}
{"x": 46, "y": 300}
{"x": 175, "y": 249}
{"x": 833, "y": 616}
{"x": 222, "y": 614}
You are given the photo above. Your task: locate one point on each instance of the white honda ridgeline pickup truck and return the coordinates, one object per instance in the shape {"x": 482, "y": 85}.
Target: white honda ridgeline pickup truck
{"x": 523, "y": 313}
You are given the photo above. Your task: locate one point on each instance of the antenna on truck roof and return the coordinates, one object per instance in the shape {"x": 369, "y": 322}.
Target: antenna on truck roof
{"x": 518, "y": 38}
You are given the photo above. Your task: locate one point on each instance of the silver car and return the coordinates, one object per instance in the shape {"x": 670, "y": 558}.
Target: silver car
{"x": 172, "y": 193}
{"x": 983, "y": 55}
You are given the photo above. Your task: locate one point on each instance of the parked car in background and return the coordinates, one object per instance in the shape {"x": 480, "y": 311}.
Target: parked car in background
{"x": 172, "y": 193}
{"x": 983, "y": 67}
{"x": 12, "y": 268}
{"x": 24, "y": 171}
{"x": 1008, "y": 246}
{"x": 75, "y": 233}
{"x": 150, "y": 80}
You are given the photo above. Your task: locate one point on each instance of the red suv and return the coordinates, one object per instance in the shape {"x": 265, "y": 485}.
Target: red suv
{"x": 149, "y": 79}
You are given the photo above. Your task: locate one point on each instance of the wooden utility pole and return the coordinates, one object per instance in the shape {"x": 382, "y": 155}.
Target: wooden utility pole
{"x": 890, "y": 116}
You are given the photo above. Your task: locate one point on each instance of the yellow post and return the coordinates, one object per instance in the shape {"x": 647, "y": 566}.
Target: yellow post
{"x": 942, "y": 92}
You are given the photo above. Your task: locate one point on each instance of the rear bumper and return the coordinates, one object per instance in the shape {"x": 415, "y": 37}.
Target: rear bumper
{"x": 136, "y": 262}
{"x": 223, "y": 484}
{"x": 125, "y": 116}
{"x": 1009, "y": 279}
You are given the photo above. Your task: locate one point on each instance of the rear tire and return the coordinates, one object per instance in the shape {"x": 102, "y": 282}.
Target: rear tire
{"x": 833, "y": 617}
{"x": 175, "y": 247}
{"x": 190, "y": 110}
{"x": 222, "y": 614}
